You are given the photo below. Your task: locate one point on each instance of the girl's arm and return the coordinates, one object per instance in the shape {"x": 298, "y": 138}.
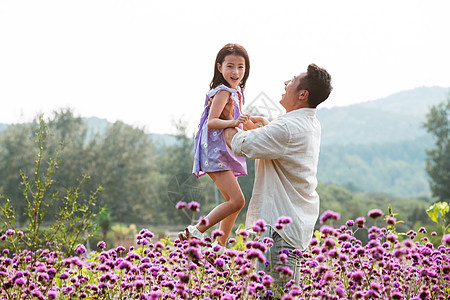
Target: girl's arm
{"x": 217, "y": 106}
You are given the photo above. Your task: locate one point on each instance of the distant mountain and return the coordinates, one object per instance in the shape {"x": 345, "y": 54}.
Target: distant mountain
{"x": 97, "y": 125}
{"x": 379, "y": 145}
{"x": 398, "y": 117}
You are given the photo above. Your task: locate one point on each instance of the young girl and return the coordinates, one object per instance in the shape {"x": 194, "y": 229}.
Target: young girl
{"x": 223, "y": 109}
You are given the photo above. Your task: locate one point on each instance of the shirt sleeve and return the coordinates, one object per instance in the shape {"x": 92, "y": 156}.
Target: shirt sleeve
{"x": 268, "y": 142}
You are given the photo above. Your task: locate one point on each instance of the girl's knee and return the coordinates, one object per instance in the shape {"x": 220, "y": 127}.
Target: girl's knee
{"x": 238, "y": 203}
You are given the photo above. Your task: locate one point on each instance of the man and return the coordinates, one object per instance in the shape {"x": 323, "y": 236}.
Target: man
{"x": 286, "y": 152}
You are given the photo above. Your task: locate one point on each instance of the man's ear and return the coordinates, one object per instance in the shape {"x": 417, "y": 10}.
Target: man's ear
{"x": 303, "y": 94}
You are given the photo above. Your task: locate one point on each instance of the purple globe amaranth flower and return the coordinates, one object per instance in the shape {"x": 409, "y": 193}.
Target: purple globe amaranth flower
{"x": 267, "y": 281}
{"x": 260, "y": 226}
{"x": 297, "y": 252}
{"x": 217, "y": 233}
{"x": 391, "y": 237}
{"x": 446, "y": 240}
{"x": 375, "y": 230}
{"x": 154, "y": 295}
{"x": 375, "y": 213}
{"x": 139, "y": 284}
{"x": 279, "y": 226}
{"x": 329, "y": 276}
{"x": 285, "y": 220}
{"x": 80, "y": 249}
{"x": 340, "y": 291}
{"x": 283, "y": 258}
{"x": 42, "y": 276}
{"x": 360, "y": 222}
{"x": 203, "y": 221}
{"x": 219, "y": 262}
{"x": 424, "y": 293}
{"x": 396, "y": 295}
{"x": 51, "y": 272}
{"x": 125, "y": 265}
{"x": 244, "y": 233}
{"x": 284, "y": 270}
{"x": 329, "y": 243}
{"x": 101, "y": 245}
{"x": 10, "y": 232}
{"x": 194, "y": 206}
{"x": 21, "y": 281}
{"x": 184, "y": 277}
{"x": 391, "y": 221}
{"x": 255, "y": 253}
{"x": 344, "y": 237}
{"x": 181, "y": 205}
{"x": 408, "y": 243}
{"x": 314, "y": 242}
{"x": 146, "y": 234}
{"x": 52, "y": 294}
{"x": 357, "y": 276}
{"x": 350, "y": 223}
{"x": 328, "y": 230}
{"x": 38, "y": 294}
{"x": 329, "y": 215}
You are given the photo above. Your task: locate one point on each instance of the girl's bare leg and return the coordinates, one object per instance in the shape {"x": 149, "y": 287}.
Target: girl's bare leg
{"x": 226, "y": 225}
{"x": 226, "y": 212}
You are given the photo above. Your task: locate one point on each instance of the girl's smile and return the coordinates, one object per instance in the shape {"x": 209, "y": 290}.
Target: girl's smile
{"x": 232, "y": 70}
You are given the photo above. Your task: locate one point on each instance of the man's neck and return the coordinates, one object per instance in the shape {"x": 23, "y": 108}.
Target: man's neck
{"x": 300, "y": 106}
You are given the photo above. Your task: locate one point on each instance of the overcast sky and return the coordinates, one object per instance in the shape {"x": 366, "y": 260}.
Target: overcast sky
{"x": 148, "y": 63}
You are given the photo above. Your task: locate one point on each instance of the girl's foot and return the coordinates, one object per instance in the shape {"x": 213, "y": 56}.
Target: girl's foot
{"x": 190, "y": 232}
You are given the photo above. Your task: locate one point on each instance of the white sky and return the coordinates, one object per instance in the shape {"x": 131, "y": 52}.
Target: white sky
{"x": 148, "y": 63}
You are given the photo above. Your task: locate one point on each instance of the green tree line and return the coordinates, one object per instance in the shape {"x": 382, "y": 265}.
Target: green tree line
{"x": 143, "y": 179}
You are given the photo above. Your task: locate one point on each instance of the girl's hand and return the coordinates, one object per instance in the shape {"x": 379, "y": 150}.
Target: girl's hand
{"x": 261, "y": 120}
{"x": 242, "y": 119}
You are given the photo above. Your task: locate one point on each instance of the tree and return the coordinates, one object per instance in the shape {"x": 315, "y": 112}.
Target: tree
{"x": 16, "y": 152}
{"x": 177, "y": 181}
{"x": 123, "y": 162}
{"x": 438, "y": 159}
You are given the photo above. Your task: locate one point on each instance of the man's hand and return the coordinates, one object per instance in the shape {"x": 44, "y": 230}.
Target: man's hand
{"x": 228, "y": 134}
{"x": 261, "y": 120}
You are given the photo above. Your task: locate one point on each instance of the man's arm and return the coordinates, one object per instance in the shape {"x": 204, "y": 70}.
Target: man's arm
{"x": 268, "y": 142}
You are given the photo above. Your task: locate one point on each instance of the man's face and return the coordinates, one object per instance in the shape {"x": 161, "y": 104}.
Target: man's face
{"x": 290, "y": 98}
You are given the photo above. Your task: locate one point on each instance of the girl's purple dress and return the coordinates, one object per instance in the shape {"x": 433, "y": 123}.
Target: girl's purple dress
{"x": 211, "y": 153}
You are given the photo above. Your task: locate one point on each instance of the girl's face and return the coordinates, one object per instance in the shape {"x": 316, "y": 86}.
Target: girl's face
{"x": 232, "y": 69}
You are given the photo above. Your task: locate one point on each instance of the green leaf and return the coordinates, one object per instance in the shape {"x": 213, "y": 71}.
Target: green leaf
{"x": 433, "y": 212}
{"x": 443, "y": 207}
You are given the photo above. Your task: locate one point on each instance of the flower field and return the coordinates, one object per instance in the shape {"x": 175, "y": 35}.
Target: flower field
{"x": 335, "y": 266}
